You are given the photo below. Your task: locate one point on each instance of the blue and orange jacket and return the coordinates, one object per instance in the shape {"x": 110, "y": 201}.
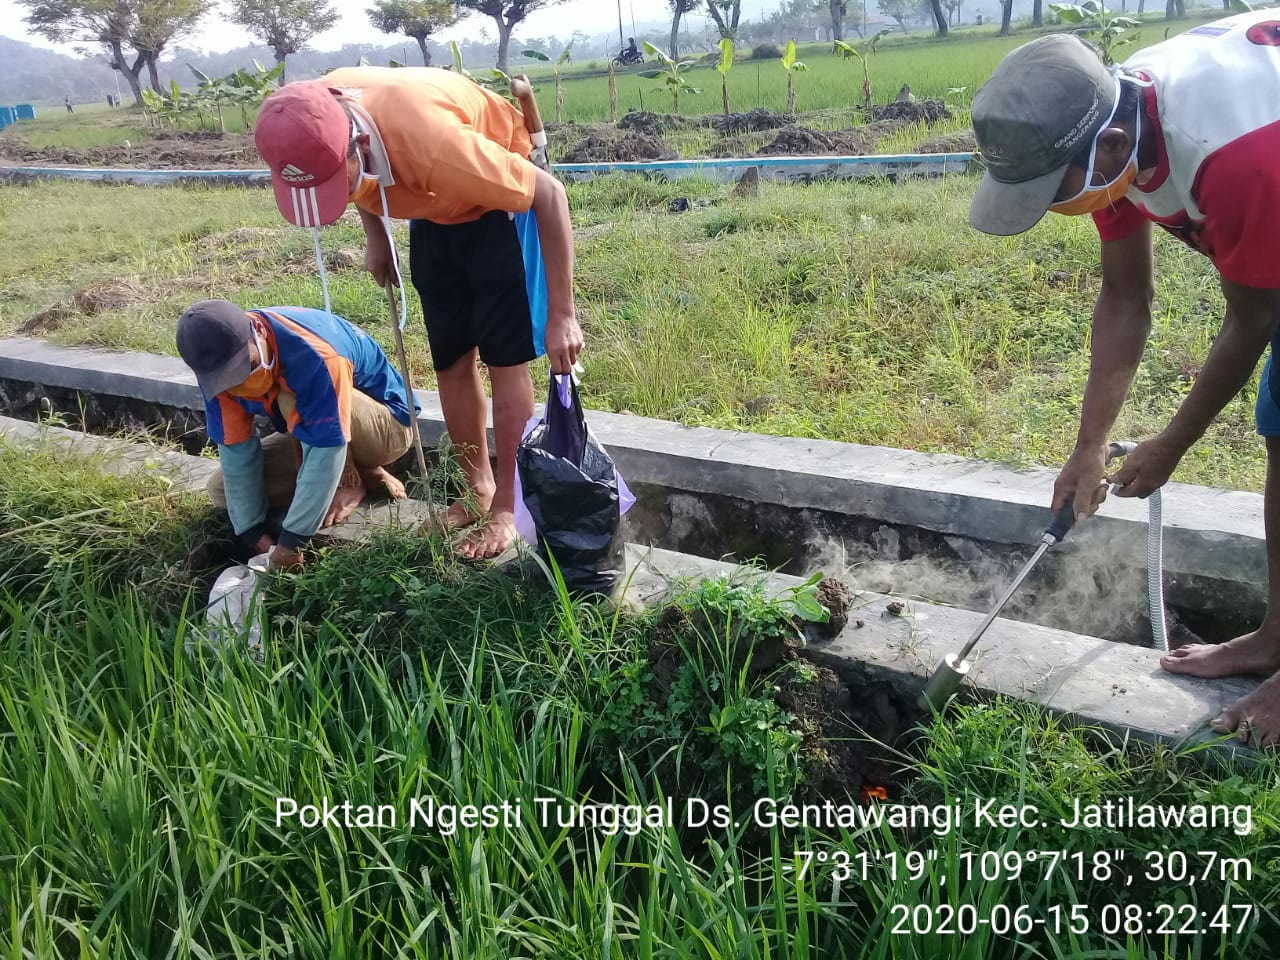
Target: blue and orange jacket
{"x": 320, "y": 359}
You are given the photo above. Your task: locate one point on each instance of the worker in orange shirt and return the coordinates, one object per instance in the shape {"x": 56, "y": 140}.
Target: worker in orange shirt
{"x": 490, "y": 243}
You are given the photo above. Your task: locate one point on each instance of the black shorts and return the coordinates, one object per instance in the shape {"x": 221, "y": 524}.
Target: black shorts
{"x": 474, "y": 281}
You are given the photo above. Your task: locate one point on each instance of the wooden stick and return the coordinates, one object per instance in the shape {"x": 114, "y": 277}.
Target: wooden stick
{"x": 408, "y": 384}
{"x": 522, "y": 90}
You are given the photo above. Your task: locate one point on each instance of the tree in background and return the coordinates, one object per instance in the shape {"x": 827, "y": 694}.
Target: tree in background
{"x": 678, "y": 9}
{"x": 414, "y": 18}
{"x": 506, "y": 14}
{"x": 839, "y": 10}
{"x": 286, "y": 26}
{"x": 139, "y": 30}
{"x": 158, "y": 23}
{"x": 903, "y": 11}
{"x": 940, "y": 17}
{"x": 1006, "y": 14}
{"x": 726, "y": 14}
{"x": 1037, "y": 13}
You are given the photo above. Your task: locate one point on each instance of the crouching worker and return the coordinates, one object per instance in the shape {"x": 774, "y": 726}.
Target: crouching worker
{"x": 340, "y": 406}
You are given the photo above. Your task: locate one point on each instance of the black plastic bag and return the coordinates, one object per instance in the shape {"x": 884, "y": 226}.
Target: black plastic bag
{"x": 568, "y": 484}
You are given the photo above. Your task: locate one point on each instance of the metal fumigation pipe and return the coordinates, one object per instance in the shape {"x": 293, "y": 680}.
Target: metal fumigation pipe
{"x": 949, "y": 674}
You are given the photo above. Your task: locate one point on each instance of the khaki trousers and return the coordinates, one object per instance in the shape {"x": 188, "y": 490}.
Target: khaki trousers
{"x": 377, "y": 439}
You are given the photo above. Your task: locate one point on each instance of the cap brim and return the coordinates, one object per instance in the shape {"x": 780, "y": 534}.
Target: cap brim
{"x": 231, "y": 374}
{"x": 315, "y": 205}
{"x": 1004, "y": 209}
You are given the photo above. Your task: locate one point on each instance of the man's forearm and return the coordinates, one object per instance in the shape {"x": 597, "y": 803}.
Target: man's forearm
{"x": 372, "y": 224}
{"x": 244, "y": 487}
{"x": 1246, "y": 330}
{"x": 318, "y": 480}
{"x": 555, "y": 233}
{"x": 1119, "y": 336}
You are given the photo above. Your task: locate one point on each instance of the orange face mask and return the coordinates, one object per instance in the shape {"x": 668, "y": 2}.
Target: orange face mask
{"x": 1094, "y": 198}
{"x": 366, "y": 187}
{"x": 263, "y": 377}
{"x": 366, "y": 192}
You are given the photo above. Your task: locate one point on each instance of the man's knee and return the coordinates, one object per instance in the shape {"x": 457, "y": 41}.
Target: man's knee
{"x": 216, "y": 489}
{"x": 377, "y": 437}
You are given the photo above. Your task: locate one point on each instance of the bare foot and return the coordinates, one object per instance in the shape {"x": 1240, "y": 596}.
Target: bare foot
{"x": 1255, "y": 719}
{"x": 458, "y": 516}
{"x": 380, "y": 477}
{"x": 344, "y": 504}
{"x": 494, "y": 536}
{"x": 1255, "y": 654}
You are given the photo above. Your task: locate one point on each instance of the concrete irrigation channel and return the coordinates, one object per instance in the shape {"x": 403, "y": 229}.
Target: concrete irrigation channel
{"x": 924, "y": 540}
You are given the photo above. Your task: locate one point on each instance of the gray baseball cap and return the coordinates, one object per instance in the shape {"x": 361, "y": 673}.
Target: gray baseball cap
{"x": 1044, "y": 104}
{"x": 213, "y": 338}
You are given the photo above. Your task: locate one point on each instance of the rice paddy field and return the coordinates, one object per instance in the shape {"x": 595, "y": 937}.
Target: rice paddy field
{"x": 164, "y": 797}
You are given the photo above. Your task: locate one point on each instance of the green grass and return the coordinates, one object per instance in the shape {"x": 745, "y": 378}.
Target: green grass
{"x": 866, "y": 313}
{"x": 87, "y": 127}
{"x": 140, "y": 772}
{"x": 932, "y": 67}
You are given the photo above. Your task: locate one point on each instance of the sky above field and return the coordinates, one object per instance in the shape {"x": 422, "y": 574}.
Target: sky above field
{"x": 590, "y": 16}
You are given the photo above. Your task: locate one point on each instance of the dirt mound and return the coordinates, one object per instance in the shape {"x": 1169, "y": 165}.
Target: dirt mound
{"x": 651, "y": 124}
{"x": 832, "y": 722}
{"x": 837, "y": 598}
{"x": 737, "y": 123}
{"x": 949, "y": 143}
{"x": 623, "y": 149}
{"x": 194, "y": 149}
{"x": 911, "y": 111}
{"x": 87, "y": 301}
{"x": 797, "y": 141}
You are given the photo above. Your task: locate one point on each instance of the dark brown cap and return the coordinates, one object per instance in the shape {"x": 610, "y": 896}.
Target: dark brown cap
{"x": 213, "y": 338}
{"x": 1044, "y": 104}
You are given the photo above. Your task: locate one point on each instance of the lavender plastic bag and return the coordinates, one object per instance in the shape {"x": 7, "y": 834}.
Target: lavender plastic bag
{"x": 569, "y": 495}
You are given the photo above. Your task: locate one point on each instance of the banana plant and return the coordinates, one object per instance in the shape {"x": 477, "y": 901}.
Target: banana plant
{"x": 153, "y": 107}
{"x": 556, "y": 65}
{"x": 792, "y": 65}
{"x": 213, "y": 92}
{"x": 723, "y": 68}
{"x": 672, "y": 74}
{"x": 1112, "y": 32}
{"x": 458, "y": 66}
{"x": 847, "y": 51}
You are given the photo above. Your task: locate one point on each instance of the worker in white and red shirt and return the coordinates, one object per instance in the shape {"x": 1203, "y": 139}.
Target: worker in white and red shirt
{"x": 490, "y": 244}
{"x": 1185, "y": 136}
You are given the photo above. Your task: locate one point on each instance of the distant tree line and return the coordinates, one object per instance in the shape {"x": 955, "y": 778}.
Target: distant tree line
{"x": 135, "y": 35}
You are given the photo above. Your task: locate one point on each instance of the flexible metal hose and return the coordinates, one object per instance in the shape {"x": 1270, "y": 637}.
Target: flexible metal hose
{"x": 1155, "y": 553}
{"x": 1155, "y": 572}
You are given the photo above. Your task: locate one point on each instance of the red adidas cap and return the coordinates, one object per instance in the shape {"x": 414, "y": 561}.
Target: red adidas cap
{"x": 302, "y": 132}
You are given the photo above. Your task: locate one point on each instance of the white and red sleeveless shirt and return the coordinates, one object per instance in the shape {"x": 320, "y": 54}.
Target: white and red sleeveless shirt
{"x": 1215, "y": 103}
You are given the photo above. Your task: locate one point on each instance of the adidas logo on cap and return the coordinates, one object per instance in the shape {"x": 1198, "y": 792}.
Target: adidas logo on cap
{"x": 294, "y": 175}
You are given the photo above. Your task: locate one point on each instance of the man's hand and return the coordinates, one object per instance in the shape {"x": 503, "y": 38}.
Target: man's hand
{"x": 1082, "y": 482}
{"x": 282, "y": 558}
{"x": 345, "y": 501}
{"x": 263, "y": 545}
{"x": 377, "y": 249}
{"x": 564, "y": 343}
{"x": 1148, "y": 468}
{"x": 377, "y": 260}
